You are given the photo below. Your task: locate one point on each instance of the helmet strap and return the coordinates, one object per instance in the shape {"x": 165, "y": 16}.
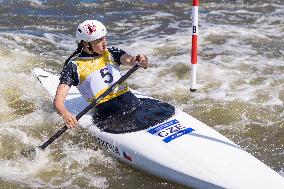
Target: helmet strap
{"x": 90, "y": 47}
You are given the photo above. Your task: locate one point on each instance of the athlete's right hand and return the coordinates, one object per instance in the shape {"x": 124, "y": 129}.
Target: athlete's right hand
{"x": 70, "y": 120}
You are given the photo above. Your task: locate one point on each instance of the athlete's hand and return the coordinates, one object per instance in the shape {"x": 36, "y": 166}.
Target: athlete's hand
{"x": 69, "y": 119}
{"x": 142, "y": 60}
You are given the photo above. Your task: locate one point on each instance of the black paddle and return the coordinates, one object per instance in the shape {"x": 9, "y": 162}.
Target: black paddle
{"x": 30, "y": 153}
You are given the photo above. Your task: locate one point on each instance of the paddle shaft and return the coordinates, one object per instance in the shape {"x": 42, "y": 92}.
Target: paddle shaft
{"x": 90, "y": 106}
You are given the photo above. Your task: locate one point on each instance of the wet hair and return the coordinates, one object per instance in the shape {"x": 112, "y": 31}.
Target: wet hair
{"x": 78, "y": 50}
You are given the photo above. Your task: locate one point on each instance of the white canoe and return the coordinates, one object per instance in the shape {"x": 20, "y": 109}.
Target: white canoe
{"x": 181, "y": 149}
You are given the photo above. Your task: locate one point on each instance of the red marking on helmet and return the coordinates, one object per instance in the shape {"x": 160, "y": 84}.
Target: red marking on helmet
{"x": 90, "y": 28}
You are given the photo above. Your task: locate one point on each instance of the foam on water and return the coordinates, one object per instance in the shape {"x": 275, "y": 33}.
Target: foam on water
{"x": 22, "y": 129}
{"x": 239, "y": 68}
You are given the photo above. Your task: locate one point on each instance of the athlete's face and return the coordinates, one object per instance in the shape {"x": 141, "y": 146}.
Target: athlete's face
{"x": 99, "y": 45}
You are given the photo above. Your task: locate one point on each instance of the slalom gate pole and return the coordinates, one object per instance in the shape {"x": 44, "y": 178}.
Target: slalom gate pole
{"x": 194, "y": 46}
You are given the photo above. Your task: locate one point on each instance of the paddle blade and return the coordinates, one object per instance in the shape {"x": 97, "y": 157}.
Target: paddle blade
{"x": 29, "y": 153}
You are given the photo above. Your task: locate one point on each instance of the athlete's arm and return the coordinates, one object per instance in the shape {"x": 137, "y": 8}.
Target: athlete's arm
{"x": 58, "y": 103}
{"x": 129, "y": 60}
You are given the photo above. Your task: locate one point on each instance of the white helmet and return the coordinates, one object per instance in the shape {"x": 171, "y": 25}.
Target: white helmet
{"x": 90, "y": 30}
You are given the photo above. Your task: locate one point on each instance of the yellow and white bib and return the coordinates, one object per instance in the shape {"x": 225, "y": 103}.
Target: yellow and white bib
{"x": 96, "y": 75}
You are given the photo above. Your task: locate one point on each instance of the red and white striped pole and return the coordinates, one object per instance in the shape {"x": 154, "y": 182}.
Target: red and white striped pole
{"x": 194, "y": 46}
